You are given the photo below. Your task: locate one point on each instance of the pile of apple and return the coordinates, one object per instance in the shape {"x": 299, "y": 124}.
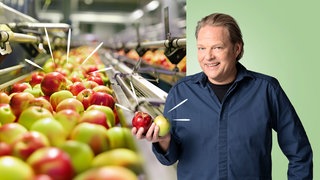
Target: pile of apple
{"x": 61, "y": 123}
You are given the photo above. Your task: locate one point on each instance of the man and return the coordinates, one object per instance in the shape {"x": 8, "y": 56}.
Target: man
{"x": 232, "y": 112}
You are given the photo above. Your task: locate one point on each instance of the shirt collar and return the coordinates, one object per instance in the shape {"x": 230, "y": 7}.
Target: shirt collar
{"x": 242, "y": 74}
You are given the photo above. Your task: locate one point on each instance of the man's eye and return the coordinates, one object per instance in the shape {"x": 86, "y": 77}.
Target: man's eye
{"x": 200, "y": 48}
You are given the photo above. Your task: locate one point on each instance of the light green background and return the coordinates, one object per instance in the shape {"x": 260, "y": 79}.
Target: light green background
{"x": 282, "y": 39}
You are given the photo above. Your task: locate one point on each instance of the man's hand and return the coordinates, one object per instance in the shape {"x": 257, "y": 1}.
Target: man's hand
{"x": 152, "y": 135}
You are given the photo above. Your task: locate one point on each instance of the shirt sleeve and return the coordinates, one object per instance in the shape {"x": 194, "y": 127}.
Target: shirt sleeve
{"x": 171, "y": 156}
{"x": 292, "y": 137}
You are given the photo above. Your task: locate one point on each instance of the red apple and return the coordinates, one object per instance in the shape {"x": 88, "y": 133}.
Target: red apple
{"x": 4, "y": 98}
{"x": 32, "y": 114}
{"x": 5, "y": 149}
{"x": 95, "y": 117}
{"x": 58, "y": 96}
{"x": 6, "y": 114}
{"x": 14, "y": 168}
{"x": 10, "y": 132}
{"x": 102, "y": 88}
{"x": 107, "y": 110}
{"x": 84, "y": 96}
{"x": 96, "y": 79}
{"x": 76, "y": 87}
{"x": 19, "y": 102}
{"x": 100, "y": 98}
{"x": 68, "y": 119}
{"x": 29, "y": 142}
{"x": 36, "y": 78}
{"x": 53, "y": 162}
{"x": 79, "y": 152}
{"x": 52, "y": 129}
{"x": 76, "y": 76}
{"x": 53, "y": 82}
{"x": 92, "y": 134}
{"x": 142, "y": 120}
{"x": 42, "y": 102}
{"x": 107, "y": 172}
{"x": 70, "y": 103}
{"x": 19, "y": 87}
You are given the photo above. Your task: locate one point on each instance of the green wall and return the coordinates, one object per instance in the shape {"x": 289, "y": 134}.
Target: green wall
{"x": 282, "y": 39}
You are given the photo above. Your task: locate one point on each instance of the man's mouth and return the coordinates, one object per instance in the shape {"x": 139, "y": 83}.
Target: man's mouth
{"x": 212, "y": 64}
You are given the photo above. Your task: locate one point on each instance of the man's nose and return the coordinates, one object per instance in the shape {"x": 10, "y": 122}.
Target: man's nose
{"x": 209, "y": 55}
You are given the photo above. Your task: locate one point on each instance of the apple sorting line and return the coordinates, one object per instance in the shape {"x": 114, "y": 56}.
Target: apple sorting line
{"x": 130, "y": 93}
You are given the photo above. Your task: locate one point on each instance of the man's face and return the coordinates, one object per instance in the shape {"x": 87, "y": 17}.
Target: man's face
{"x": 217, "y": 55}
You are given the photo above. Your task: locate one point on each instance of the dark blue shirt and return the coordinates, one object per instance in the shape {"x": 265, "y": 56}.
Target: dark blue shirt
{"x": 232, "y": 139}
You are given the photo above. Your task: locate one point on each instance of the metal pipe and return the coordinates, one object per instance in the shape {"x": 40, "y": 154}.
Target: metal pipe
{"x": 178, "y": 42}
{"x": 17, "y": 37}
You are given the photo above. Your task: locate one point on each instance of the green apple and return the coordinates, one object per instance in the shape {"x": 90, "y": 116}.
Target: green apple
{"x": 33, "y": 114}
{"x": 92, "y": 134}
{"x": 163, "y": 124}
{"x": 79, "y": 153}
{"x": 107, "y": 110}
{"x": 58, "y": 96}
{"x": 6, "y": 115}
{"x": 52, "y": 129}
{"x": 14, "y": 168}
{"x": 107, "y": 172}
{"x": 120, "y": 157}
{"x": 35, "y": 90}
{"x": 10, "y": 132}
{"x": 121, "y": 137}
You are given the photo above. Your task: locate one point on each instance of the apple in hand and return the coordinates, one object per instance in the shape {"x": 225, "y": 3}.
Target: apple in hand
{"x": 33, "y": 114}
{"x": 14, "y": 168}
{"x": 142, "y": 120}
{"x": 52, "y": 129}
{"x": 100, "y": 98}
{"x": 163, "y": 124}
{"x": 53, "y": 162}
{"x": 70, "y": 103}
{"x": 4, "y": 98}
{"x": 6, "y": 114}
{"x": 53, "y": 82}
{"x": 19, "y": 102}
{"x": 58, "y": 96}
{"x": 107, "y": 110}
{"x": 92, "y": 134}
{"x": 29, "y": 142}
{"x": 9, "y": 132}
{"x": 79, "y": 153}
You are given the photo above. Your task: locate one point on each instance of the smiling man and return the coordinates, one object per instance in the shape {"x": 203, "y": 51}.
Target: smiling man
{"x": 232, "y": 113}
